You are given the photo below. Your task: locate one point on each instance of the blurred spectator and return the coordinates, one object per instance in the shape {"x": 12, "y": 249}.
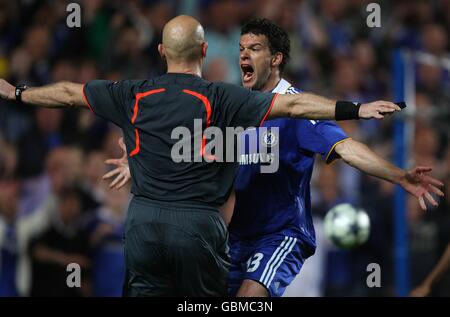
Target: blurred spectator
{"x": 223, "y": 35}
{"x": 435, "y": 39}
{"x": 9, "y": 197}
{"x": 38, "y": 141}
{"x": 216, "y": 70}
{"x": 64, "y": 242}
{"x": 93, "y": 170}
{"x": 8, "y": 160}
{"x": 62, "y": 169}
{"x": 126, "y": 55}
{"x": 423, "y": 242}
{"x": 9, "y": 28}
{"x": 426, "y": 146}
{"x": 16, "y": 233}
{"x": 158, "y": 14}
{"x": 337, "y": 269}
{"x": 31, "y": 62}
{"x": 108, "y": 267}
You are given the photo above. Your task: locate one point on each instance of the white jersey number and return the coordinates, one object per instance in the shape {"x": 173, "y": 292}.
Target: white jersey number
{"x": 254, "y": 261}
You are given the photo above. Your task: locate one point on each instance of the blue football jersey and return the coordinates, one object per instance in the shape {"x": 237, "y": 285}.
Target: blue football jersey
{"x": 280, "y": 202}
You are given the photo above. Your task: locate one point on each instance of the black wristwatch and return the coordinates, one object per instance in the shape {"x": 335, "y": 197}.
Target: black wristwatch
{"x": 19, "y": 90}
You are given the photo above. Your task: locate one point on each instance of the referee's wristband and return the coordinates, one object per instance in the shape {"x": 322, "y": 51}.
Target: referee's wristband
{"x": 346, "y": 110}
{"x": 18, "y": 92}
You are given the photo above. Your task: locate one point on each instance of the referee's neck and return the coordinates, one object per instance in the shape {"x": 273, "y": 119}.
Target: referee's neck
{"x": 185, "y": 69}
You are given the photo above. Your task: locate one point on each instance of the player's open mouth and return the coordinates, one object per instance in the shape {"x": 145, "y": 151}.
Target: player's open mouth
{"x": 247, "y": 72}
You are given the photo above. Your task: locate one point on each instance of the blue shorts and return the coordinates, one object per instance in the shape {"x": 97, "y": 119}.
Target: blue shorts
{"x": 272, "y": 261}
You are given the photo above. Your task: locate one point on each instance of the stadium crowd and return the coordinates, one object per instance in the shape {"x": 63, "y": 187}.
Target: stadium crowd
{"x": 55, "y": 208}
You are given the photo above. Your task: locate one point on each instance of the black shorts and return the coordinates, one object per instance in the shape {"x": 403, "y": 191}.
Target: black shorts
{"x": 173, "y": 250}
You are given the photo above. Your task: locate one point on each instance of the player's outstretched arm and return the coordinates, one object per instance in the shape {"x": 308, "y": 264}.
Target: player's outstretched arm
{"x": 443, "y": 265}
{"x": 310, "y": 106}
{"x": 58, "y": 95}
{"x": 416, "y": 181}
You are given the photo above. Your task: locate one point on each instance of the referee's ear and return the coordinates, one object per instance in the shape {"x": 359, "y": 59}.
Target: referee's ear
{"x": 161, "y": 51}
{"x": 204, "y": 49}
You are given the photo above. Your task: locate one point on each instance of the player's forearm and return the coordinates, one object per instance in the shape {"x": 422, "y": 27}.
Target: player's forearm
{"x": 58, "y": 95}
{"x": 442, "y": 266}
{"x": 310, "y": 106}
{"x": 364, "y": 159}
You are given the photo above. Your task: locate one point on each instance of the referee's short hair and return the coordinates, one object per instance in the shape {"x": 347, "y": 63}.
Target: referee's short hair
{"x": 277, "y": 37}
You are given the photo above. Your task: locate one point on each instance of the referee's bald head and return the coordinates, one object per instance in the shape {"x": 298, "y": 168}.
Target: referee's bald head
{"x": 183, "y": 40}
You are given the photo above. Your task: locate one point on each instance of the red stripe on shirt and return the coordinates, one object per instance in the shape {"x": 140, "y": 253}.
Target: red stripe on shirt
{"x": 270, "y": 109}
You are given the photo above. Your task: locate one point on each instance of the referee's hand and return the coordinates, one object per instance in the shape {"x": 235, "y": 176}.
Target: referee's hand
{"x": 377, "y": 109}
{"x": 7, "y": 91}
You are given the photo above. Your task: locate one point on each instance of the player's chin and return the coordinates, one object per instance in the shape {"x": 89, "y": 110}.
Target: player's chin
{"x": 249, "y": 83}
{"x": 246, "y": 85}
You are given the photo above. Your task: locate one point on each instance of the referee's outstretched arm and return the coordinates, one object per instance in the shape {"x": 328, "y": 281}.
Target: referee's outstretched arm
{"x": 307, "y": 106}
{"x": 58, "y": 95}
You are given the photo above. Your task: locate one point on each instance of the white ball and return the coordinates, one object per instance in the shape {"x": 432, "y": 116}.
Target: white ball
{"x": 347, "y": 227}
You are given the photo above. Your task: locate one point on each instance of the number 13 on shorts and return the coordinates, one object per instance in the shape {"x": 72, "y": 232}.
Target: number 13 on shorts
{"x": 254, "y": 261}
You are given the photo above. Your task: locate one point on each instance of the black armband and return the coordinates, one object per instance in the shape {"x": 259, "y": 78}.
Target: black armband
{"x": 346, "y": 110}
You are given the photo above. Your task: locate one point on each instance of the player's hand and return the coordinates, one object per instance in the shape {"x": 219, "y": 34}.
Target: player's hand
{"x": 418, "y": 183}
{"x": 122, "y": 170}
{"x": 421, "y": 291}
{"x": 7, "y": 91}
{"x": 377, "y": 109}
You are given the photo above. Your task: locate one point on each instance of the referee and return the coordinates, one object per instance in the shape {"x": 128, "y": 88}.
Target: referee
{"x": 175, "y": 239}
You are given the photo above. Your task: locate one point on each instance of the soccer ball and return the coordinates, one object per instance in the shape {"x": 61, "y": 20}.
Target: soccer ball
{"x": 347, "y": 227}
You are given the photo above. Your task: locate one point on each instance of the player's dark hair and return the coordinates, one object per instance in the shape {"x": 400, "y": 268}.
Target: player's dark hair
{"x": 277, "y": 37}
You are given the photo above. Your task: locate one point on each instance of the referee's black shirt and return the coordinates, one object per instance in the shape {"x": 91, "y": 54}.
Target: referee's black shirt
{"x": 149, "y": 110}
